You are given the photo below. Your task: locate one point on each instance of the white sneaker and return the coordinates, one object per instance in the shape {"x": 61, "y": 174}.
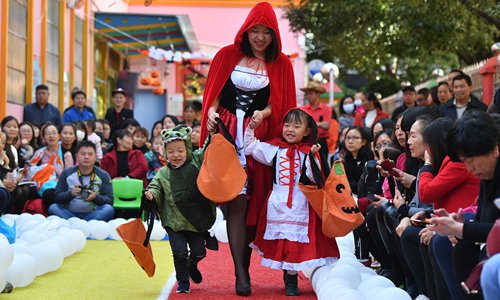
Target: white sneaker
{"x": 422, "y": 297}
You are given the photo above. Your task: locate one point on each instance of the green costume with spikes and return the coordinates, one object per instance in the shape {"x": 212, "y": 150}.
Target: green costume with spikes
{"x": 181, "y": 206}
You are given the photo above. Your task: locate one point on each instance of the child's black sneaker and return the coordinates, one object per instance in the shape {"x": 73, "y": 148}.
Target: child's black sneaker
{"x": 194, "y": 273}
{"x": 183, "y": 286}
{"x": 291, "y": 284}
{"x": 211, "y": 242}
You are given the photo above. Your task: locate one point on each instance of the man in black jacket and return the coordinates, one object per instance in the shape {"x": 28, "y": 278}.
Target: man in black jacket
{"x": 116, "y": 115}
{"x": 463, "y": 99}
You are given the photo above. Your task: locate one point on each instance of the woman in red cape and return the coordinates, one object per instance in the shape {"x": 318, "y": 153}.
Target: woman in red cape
{"x": 249, "y": 79}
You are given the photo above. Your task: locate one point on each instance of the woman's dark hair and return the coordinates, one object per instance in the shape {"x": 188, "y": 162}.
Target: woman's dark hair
{"x": 334, "y": 114}
{"x": 392, "y": 153}
{"x": 82, "y": 126}
{"x": 412, "y": 165}
{"x": 272, "y": 51}
{"x": 189, "y": 105}
{"x": 130, "y": 122}
{"x": 104, "y": 121}
{"x": 435, "y": 134}
{"x": 153, "y": 129}
{"x": 90, "y": 124}
{"x": 474, "y": 134}
{"x": 119, "y": 134}
{"x": 387, "y": 125}
{"x": 171, "y": 117}
{"x": 142, "y": 130}
{"x": 366, "y": 136}
{"x": 298, "y": 115}
{"x": 6, "y": 120}
{"x": 45, "y": 126}
{"x": 341, "y": 108}
{"x": 33, "y": 143}
{"x": 373, "y": 98}
{"x": 75, "y": 142}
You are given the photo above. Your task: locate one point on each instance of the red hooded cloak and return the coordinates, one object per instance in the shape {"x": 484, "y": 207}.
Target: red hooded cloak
{"x": 282, "y": 97}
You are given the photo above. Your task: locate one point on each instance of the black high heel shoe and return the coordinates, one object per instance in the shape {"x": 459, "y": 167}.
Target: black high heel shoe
{"x": 244, "y": 289}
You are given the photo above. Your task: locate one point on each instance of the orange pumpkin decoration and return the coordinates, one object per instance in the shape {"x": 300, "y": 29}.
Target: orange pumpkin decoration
{"x": 155, "y": 82}
{"x": 334, "y": 203}
{"x": 145, "y": 80}
{"x": 158, "y": 91}
{"x": 154, "y": 74}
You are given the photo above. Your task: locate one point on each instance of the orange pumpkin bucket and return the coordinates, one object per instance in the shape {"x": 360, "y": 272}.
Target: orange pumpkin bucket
{"x": 221, "y": 176}
{"x": 334, "y": 203}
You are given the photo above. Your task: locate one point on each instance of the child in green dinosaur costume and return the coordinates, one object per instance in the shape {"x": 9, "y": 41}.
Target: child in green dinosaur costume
{"x": 185, "y": 213}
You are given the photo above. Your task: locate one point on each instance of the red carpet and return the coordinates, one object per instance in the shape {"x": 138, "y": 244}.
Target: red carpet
{"x": 218, "y": 280}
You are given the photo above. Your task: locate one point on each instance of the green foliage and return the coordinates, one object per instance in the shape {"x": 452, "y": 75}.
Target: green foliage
{"x": 385, "y": 85}
{"x": 398, "y": 39}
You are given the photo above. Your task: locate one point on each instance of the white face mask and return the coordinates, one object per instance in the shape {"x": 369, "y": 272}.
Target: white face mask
{"x": 358, "y": 102}
{"x": 80, "y": 135}
{"x": 348, "y": 108}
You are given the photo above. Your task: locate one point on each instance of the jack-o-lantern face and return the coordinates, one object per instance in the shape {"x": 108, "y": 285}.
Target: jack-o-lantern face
{"x": 340, "y": 188}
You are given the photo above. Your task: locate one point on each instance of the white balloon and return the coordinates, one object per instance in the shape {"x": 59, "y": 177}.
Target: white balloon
{"x": 62, "y": 243}
{"x": 64, "y": 223}
{"x": 28, "y": 265}
{"x": 392, "y": 293}
{"x": 53, "y": 217}
{"x": 39, "y": 217}
{"x": 307, "y": 273}
{"x": 219, "y": 215}
{"x": 318, "y": 274}
{"x": 81, "y": 225}
{"x": 158, "y": 232}
{"x": 27, "y": 226}
{"x": 20, "y": 247}
{"x": 99, "y": 230}
{"x": 348, "y": 272}
{"x": 375, "y": 281}
{"x": 10, "y": 216}
{"x": 3, "y": 281}
{"x": 23, "y": 218}
{"x": 337, "y": 282}
{"x": 79, "y": 240}
{"x": 73, "y": 219}
{"x": 6, "y": 255}
{"x": 3, "y": 238}
{"x": 43, "y": 258}
{"x": 367, "y": 270}
{"x": 14, "y": 274}
{"x": 56, "y": 255}
{"x": 32, "y": 237}
{"x": 221, "y": 232}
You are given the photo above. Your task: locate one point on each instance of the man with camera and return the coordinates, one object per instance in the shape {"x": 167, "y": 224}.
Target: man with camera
{"x": 84, "y": 191}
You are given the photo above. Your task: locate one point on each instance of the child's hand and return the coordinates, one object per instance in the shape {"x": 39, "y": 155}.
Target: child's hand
{"x": 256, "y": 119}
{"x": 149, "y": 195}
{"x": 211, "y": 122}
{"x": 315, "y": 148}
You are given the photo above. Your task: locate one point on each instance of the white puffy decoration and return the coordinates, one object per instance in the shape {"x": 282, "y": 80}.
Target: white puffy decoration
{"x": 375, "y": 281}
{"x": 81, "y": 225}
{"x": 43, "y": 258}
{"x": 158, "y": 232}
{"x": 62, "y": 243}
{"x": 14, "y": 274}
{"x": 64, "y": 223}
{"x": 39, "y": 217}
{"x": 307, "y": 273}
{"x": 73, "y": 220}
{"x": 23, "y": 218}
{"x": 9, "y": 216}
{"x": 219, "y": 215}
{"x": 6, "y": 255}
{"x": 32, "y": 237}
{"x": 53, "y": 217}
{"x": 221, "y": 232}
{"x": 56, "y": 255}
{"x": 99, "y": 230}
{"x": 3, "y": 238}
{"x": 28, "y": 266}
{"x": 348, "y": 272}
{"x": 317, "y": 274}
{"x": 392, "y": 293}
{"x": 3, "y": 281}
{"x": 349, "y": 294}
{"x": 366, "y": 270}
{"x": 326, "y": 287}
{"x": 352, "y": 262}
{"x": 20, "y": 247}
{"x": 365, "y": 276}
{"x": 112, "y": 227}
{"x": 27, "y": 226}
{"x": 79, "y": 240}
{"x": 371, "y": 293}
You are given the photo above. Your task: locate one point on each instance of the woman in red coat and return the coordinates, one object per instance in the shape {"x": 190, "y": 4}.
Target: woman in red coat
{"x": 123, "y": 161}
{"x": 372, "y": 114}
{"x": 251, "y": 78}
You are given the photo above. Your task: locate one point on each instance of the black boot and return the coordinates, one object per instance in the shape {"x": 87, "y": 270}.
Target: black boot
{"x": 291, "y": 284}
{"x": 211, "y": 242}
{"x": 194, "y": 273}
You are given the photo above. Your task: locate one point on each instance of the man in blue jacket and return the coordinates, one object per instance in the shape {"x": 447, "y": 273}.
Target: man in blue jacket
{"x": 84, "y": 191}
{"x": 79, "y": 111}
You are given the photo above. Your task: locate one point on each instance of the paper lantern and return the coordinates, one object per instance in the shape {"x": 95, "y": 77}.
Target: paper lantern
{"x": 145, "y": 80}
{"x": 155, "y": 82}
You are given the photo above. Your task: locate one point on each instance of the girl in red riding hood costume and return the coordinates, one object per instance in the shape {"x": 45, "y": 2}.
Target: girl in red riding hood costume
{"x": 289, "y": 235}
{"x": 250, "y": 79}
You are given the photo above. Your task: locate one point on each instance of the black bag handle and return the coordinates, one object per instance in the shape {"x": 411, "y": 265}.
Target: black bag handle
{"x": 222, "y": 129}
{"x": 318, "y": 177}
{"x": 149, "y": 208}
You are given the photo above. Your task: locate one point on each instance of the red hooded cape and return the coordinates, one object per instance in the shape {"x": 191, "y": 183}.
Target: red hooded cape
{"x": 282, "y": 96}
